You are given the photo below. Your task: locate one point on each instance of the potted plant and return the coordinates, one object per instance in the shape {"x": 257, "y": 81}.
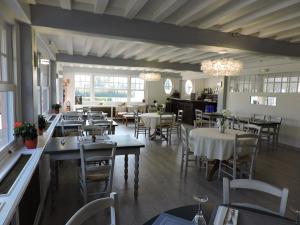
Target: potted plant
{"x": 28, "y": 133}
{"x": 56, "y": 107}
{"x": 41, "y": 124}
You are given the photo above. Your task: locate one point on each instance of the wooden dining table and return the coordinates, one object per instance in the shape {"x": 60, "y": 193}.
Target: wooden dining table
{"x": 68, "y": 148}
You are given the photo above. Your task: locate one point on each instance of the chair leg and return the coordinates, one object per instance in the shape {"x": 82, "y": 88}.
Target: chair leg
{"x": 220, "y": 170}
{"x": 186, "y": 162}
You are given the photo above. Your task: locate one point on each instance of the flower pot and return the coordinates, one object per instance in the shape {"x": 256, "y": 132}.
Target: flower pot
{"x": 40, "y": 131}
{"x": 31, "y": 143}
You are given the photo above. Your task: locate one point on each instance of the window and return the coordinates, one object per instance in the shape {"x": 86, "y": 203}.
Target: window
{"x": 6, "y": 87}
{"x": 83, "y": 87}
{"x": 3, "y": 53}
{"x": 272, "y": 83}
{"x": 168, "y": 86}
{"x": 188, "y": 87}
{"x": 137, "y": 89}
{"x": 110, "y": 89}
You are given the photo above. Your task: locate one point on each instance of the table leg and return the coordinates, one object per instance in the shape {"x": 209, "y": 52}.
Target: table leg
{"x": 126, "y": 168}
{"x": 113, "y": 129}
{"x": 136, "y": 176}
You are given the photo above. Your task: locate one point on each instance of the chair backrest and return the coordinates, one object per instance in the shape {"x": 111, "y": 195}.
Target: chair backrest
{"x": 93, "y": 208}
{"x": 97, "y": 116}
{"x": 166, "y": 120}
{"x": 179, "y": 116}
{"x": 252, "y": 128}
{"x": 255, "y": 185}
{"x": 105, "y": 124}
{"x": 235, "y": 123}
{"x": 71, "y": 132}
{"x": 276, "y": 119}
{"x": 142, "y": 108}
{"x": 198, "y": 118}
{"x": 184, "y": 137}
{"x": 246, "y": 145}
{"x": 72, "y": 115}
{"x": 259, "y": 116}
{"x": 105, "y": 152}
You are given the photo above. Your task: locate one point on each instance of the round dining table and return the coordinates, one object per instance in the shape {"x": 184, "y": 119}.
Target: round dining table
{"x": 209, "y": 142}
{"x": 151, "y": 120}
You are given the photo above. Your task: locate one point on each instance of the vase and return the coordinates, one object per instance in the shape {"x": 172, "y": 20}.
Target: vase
{"x": 40, "y": 131}
{"x": 56, "y": 111}
{"x": 31, "y": 143}
{"x": 222, "y": 129}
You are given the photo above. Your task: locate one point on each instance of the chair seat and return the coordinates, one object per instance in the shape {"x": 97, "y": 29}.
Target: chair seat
{"x": 241, "y": 159}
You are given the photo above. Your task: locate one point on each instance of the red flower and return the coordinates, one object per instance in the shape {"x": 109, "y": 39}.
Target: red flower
{"x": 18, "y": 124}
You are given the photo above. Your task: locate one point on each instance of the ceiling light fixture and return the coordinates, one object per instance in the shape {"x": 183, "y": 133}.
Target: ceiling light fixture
{"x": 221, "y": 67}
{"x": 150, "y": 76}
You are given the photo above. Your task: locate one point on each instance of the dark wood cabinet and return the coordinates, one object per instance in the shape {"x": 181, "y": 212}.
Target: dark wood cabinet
{"x": 188, "y": 107}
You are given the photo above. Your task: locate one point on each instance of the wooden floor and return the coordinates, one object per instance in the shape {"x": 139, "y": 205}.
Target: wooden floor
{"x": 162, "y": 187}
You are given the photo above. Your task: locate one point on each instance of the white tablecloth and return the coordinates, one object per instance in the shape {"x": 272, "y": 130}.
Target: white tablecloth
{"x": 211, "y": 143}
{"x": 152, "y": 119}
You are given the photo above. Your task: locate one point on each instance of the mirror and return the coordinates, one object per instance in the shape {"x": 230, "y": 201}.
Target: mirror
{"x": 263, "y": 100}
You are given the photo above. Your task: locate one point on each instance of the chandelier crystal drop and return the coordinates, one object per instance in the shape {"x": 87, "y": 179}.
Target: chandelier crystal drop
{"x": 150, "y": 76}
{"x": 221, "y": 67}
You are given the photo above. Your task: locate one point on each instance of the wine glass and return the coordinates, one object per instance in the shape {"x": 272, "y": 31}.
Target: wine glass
{"x": 62, "y": 141}
{"x": 199, "y": 218}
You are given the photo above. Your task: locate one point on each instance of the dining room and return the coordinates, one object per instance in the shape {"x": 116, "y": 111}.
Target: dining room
{"x": 147, "y": 112}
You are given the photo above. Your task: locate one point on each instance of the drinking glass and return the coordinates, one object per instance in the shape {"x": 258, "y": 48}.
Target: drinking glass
{"x": 199, "y": 218}
{"x": 62, "y": 142}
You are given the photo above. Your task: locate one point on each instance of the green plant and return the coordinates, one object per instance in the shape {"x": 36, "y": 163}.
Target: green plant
{"x": 29, "y": 131}
{"x": 25, "y": 130}
{"x": 56, "y": 106}
{"x": 41, "y": 122}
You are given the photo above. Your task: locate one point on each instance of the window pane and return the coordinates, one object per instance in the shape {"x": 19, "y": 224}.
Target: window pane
{"x": 137, "y": 96}
{"x": 3, "y": 64}
{"x": 284, "y": 88}
{"x": 293, "y": 87}
{"x": 188, "y": 87}
{"x": 293, "y": 79}
{"x": 6, "y": 118}
{"x": 168, "y": 86}
{"x": 277, "y": 87}
{"x": 270, "y": 88}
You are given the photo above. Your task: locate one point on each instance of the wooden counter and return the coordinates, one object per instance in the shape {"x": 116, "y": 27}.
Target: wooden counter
{"x": 188, "y": 107}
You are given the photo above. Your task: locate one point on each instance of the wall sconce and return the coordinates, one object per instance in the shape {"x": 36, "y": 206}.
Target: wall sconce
{"x": 219, "y": 84}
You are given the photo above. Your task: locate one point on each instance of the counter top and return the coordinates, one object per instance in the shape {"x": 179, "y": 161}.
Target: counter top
{"x": 9, "y": 202}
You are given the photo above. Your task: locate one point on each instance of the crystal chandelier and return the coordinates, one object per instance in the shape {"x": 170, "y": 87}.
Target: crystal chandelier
{"x": 221, "y": 67}
{"x": 150, "y": 76}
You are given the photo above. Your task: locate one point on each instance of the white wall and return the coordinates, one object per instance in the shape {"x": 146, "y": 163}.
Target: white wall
{"x": 288, "y": 107}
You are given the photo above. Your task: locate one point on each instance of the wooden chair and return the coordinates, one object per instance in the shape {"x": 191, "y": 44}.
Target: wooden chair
{"x": 95, "y": 207}
{"x": 199, "y": 120}
{"x": 74, "y": 130}
{"x": 255, "y": 185}
{"x": 165, "y": 126}
{"x": 187, "y": 155}
{"x": 96, "y": 168}
{"x": 139, "y": 126}
{"x": 244, "y": 155}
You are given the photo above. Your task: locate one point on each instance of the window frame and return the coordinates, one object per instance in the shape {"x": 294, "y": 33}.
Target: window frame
{"x": 169, "y": 86}
{"x": 9, "y": 85}
{"x": 185, "y": 87}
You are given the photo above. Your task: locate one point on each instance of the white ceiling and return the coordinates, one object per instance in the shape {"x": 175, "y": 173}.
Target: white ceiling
{"x": 275, "y": 19}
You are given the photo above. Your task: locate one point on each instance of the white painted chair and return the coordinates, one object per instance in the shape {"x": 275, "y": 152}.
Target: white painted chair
{"x": 97, "y": 167}
{"x": 93, "y": 208}
{"x": 73, "y": 115}
{"x": 139, "y": 126}
{"x": 199, "y": 120}
{"x": 176, "y": 127}
{"x": 244, "y": 157}
{"x": 255, "y": 185}
{"x": 187, "y": 155}
{"x": 74, "y": 130}
{"x": 105, "y": 124}
{"x": 259, "y": 117}
{"x": 165, "y": 126}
